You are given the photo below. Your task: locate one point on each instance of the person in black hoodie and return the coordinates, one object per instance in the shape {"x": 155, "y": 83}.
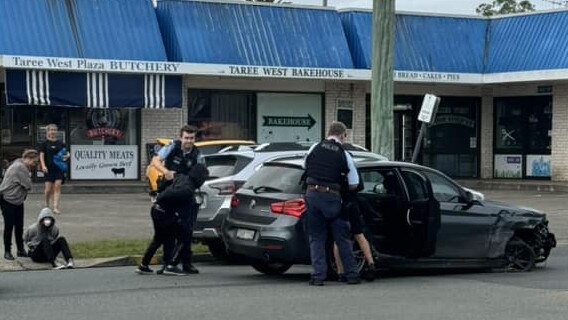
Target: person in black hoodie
{"x": 167, "y": 224}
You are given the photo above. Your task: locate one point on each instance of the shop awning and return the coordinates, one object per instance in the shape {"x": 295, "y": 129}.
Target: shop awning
{"x": 253, "y": 34}
{"x": 93, "y": 90}
{"x": 422, "y": 42}
{"x": 95, "y": 29}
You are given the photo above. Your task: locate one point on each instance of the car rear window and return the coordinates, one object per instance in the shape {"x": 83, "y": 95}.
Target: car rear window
{"x": 276, "y": 177}
{"x": 225, "y": 165}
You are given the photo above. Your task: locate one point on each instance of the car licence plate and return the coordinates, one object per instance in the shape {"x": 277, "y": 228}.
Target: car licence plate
{"x": 201, "y": 200}
{"x": 245, "y": 234}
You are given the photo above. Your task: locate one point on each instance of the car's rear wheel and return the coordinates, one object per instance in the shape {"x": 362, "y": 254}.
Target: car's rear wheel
{"x": 520, "y": 256}
{"x": 271, "y": 268}
{"x": 219, "y": 251}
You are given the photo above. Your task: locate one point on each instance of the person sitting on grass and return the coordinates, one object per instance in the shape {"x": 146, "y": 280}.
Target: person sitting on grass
{"x": 44, "y": 242}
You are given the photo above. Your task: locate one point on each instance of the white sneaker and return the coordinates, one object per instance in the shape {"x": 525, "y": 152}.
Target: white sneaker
{"x": 57, "y": 266}
{"x": 70, "y": 264}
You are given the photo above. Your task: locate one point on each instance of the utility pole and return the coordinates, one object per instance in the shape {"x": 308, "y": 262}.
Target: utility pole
{"x": 382, "y": 83}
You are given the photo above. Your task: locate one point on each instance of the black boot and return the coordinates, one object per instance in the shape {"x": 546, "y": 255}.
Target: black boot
{"x": 8, "y": 256}
{"x": 22, "y": 253}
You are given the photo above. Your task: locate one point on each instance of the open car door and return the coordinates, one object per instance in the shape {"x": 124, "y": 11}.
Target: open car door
{"x": 422, "y": 216}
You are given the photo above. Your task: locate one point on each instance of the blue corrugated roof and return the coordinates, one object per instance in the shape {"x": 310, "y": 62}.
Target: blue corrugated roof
{"x": 36, "y": 28}
{"x": 118, "y": 29}
{"x": 422, "y": 43}
{"x": 233, "y": 33}
{"x": 528, "y": 42}
{"x": 99, "y": 29}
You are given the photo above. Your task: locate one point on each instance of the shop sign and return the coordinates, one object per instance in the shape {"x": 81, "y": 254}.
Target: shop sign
{"x": 104, "y": 123}
{"x": 104, "y": 162}
{"x": 508, "y": 166}
{"x": 278, "y": 120}
{"x": 538, "y": 166}
{"x": 286, "y": 72}
{"x": 272, "y": 121}
{"x": 453, "y": 119}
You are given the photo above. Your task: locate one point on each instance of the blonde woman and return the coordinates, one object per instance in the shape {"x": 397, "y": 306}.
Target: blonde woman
{"x": 54, "y": 176}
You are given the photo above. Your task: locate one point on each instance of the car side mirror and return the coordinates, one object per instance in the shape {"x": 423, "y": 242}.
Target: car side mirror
{"x": 469, "y": 198}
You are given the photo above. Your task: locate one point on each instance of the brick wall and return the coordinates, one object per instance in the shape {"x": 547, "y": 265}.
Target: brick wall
{"x": 356, "y": 92}
{"x": 559, "y": 157}
{"x": 486, "y": 160}
{"x": 158, "y": 123}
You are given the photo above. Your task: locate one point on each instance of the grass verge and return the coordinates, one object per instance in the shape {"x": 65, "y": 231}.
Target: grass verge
{"x": 118, "y": 247}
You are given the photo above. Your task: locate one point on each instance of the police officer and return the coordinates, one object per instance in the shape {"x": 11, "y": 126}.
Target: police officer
{"x": 177, "y": 158}
{"x": 327, "y": 166}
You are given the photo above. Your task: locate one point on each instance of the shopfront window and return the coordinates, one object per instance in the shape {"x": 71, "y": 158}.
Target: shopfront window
{"x": 104, "y": 144}
{"x": 451, "y": 144}
{"x": 220, "y": 114}
{"x": 523, "y": 128}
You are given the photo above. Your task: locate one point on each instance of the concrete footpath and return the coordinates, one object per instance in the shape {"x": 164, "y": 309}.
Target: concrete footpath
{"x": 105, "y": 216}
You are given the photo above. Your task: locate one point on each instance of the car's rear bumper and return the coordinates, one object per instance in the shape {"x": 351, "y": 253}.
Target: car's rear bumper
{"x": 284, "y": 244}
{"x": 210, "y": 228}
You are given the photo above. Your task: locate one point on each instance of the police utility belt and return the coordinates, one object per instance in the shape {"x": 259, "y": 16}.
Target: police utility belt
{"x": 320, "y": 188}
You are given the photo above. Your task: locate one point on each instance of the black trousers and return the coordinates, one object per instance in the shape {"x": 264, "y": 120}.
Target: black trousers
{"x": 47, "y": 252}
{"x": 164, "y": 234}
{"x": 184, "y": 234}
{"x": 13, "y": 220}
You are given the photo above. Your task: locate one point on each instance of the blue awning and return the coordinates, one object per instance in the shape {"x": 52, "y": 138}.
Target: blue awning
{"x": 96, "y": 29}
{"x": 422, "y": 43}
{"x": 92, "y": 90}
{"x": 528, "y": 42}
{"x": 253, "y": 34}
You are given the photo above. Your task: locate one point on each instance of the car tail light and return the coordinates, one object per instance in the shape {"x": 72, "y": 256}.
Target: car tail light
{"x": 226, "y": 188}
{"x": 235, "y": 201}
{"x": 292, "y": 207}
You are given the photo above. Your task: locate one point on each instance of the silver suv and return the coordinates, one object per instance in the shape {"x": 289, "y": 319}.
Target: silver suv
{"x": 229, "y": 170}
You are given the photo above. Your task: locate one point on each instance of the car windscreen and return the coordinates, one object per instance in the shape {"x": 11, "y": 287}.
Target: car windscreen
{"x": 225, "y": 165}
{"x": 276, "y": 178}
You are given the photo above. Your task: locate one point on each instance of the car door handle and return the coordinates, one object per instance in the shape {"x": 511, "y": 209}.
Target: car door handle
{"x": 408, "y": 217}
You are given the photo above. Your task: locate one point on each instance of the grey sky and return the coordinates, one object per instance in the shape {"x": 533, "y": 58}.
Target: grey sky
{"x": 466, "y": 7}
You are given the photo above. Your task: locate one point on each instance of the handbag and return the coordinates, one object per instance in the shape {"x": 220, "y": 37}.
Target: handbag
{"x": 58, "y": 160}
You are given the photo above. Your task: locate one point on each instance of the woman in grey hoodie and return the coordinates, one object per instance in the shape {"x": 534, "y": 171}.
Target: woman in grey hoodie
{"x": 44, "y": 241}
{"x": 13, "y": 192}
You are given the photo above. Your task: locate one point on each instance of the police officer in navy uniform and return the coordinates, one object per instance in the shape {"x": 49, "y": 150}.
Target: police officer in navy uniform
{"x": 327, "y": 166}
{"x": 177, "y": 158}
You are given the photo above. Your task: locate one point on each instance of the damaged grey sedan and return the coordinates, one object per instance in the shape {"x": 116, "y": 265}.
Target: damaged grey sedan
{"x": 413, "y": 216}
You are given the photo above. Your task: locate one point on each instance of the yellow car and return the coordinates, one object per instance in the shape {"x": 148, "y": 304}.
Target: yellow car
{"x": 206, "y": 147}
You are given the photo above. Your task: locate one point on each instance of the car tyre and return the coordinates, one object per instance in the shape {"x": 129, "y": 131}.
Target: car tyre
{"x": 271, "y": 268}
{"x": 219, "y": 251}
{"x": 520, "y": 256}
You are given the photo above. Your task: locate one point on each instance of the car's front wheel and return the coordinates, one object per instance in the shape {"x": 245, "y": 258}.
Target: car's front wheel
{"x": 520, "y": 256}
{"x": 271, "y": 268}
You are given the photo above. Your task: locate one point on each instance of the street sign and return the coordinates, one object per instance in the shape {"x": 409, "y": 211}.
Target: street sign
{"x": 279, "y": 121}
{"x": 429, "y": 108}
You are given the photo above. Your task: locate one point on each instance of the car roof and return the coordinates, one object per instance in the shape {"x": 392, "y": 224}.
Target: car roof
{"x": 223, "y": 142}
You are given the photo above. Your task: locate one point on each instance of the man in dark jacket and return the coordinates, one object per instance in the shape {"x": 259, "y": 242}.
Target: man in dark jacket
{"x": 166, "y": 221}
{"x": 177, "y": 158}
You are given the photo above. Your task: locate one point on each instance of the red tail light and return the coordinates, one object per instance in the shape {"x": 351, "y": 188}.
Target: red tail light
{"x": 226, "y": 188}
{"x": 292, "y": 207}
{"x": 235, "y": 201}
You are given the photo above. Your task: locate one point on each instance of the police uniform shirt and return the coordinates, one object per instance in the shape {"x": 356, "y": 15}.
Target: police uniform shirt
{"x": 167, "y": 149}
{"x": 352, "y": 176}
